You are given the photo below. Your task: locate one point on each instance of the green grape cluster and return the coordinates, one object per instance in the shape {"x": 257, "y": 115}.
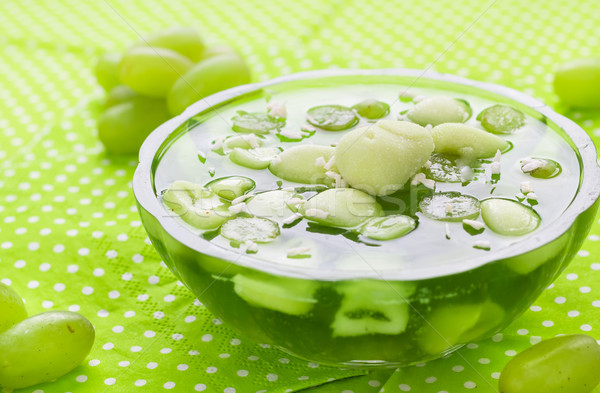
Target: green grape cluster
{"x": 40, "y": 348}
{"x": 158, "y": 78}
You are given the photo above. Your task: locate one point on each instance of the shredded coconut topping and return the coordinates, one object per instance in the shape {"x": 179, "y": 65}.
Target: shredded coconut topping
{"x": 308, "y": 128}
{"x": 217, "y": 143}
{"x": 293, "y": 252}
{"x": 447, "y": 231}
{"x": 211, "y": 171}
{"x": 520, "y": 195}
{"x": 316, "y": 213}
{"x": 497, "y": 156}
{"x": 251, "y": 246}
{"x": 330, "y": 163}
{"x": 201, "y": 154}
{"x": 295, "y": 201}
{"x": 530, "y": 164}
{"x": 477, "y": 225}
{"x": 241, "y": 199}
{"x": 238, "y": 208}
{"x": 484, "y": 244}
{"x": 276, "y": 160}
{"x": 291, "y": 218}
{"x": 252, "y": 140}
{"x": 532, "y": 196}
{"x": 291, "y": 134}
{"x": 427, "y": 164}
{"x": 420, "y": 178}
{"x": 448, "y": 207}
{"x": 320, "y": 161}
{"x": 277, "y": 109}
{"x": 526, "y": 187}
{"x": 495, "y": 168}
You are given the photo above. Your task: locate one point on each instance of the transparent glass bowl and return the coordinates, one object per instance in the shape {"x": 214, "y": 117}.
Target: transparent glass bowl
{"x": 446, "y": 307}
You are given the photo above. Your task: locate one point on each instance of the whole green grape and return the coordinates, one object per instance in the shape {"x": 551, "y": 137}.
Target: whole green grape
{"x": 564, "y": 364}
{"x": 107, "y": 70}
{"x": 12, "y": 309}
{"x": 183, "y": 40}
{"x": 43, "y": 348}
{"x": 207, "y": 77}
{"x": 122, "y": 128}
{"x": 118, "y": 95}
{"x": 577, "y": 83}
{"x": 218, "y": 50}
{"x": 151, "y": 70}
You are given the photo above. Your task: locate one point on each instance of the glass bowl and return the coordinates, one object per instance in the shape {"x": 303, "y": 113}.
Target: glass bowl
{"x": 298, "y": 309}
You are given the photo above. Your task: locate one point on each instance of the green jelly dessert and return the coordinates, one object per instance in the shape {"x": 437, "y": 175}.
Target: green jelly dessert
{"x": 351, "y": 225}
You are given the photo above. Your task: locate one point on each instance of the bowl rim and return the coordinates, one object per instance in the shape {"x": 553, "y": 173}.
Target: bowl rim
{"x": 588, "y": 193}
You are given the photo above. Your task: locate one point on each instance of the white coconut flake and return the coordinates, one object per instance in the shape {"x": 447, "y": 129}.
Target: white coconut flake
{"x": 428, "y": 127}
{"x": 320, "y": 161}
{"x": 330, "y": 163}
{"x": 448, "y": 207}
{"x": 202, "y": 154}
{"x": 251, "y": 246}
{"x": 417, "y": 99}
{"x": 295, "y": 201}
{"x": 420, "y": 178}
{"x": 291, "y": 218}
{"x": 406, "y": 94}
{"x": 308, "y": 128}
{"x": 294, "y": 252}
{"x": 447, "y": 230}
{"x": 241, "y": 199}
{"x": 331, "y": 174}
{"x": 531, "y": 164}
{"x": 212, "y": 171}
{"x": 526, "y": 187}
{"x": 252, "y": 140}
{"x": 277, "y": 109}
{"x": 532, "y": 196}
{"x": 520, "y": 195}
{"x": 477, "y": 225}
{"x": 238, "y": 208}
{"x": 466, "y": 173}
{"x": 316, "y": 213}
{"x": 401, "y": 117}
{"x": 483, "y": 244}
{"x": 291, "y": 134}
{"x": 276, "y": 160}
{"x": 497, "y": 156}
{"x": 427, "y": 164}
{"x": 217, "y": 143}
{"x": 495, "y": 168}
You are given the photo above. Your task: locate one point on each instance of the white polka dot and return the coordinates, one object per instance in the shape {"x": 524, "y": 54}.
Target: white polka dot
{"x": 98, "y": 272}
{"x": 522, "y": 332}
{"x": 548, "y": 323}
{"x": 94, "y": 362}
{"x": 149, "y": 333}
{"x": 586, "y": 327}
{"x": 124, "y": 363}
{"x": 118, "y": 329}
{"x": 374, "y": 383}
{"x": 153, "y": 280}
{"x": 182, "y": 367}
{"x": 129, "y": 314}
{"x": 165, "y": 351}
{"x": 177, "y": 336}
{"x": 87, "y": 290}
{"x": 47, "y": 304}
{"x": 458, "y": 369}
{"x": 169, "y": 298}
{"x": 484, "y": 361}
{"x": 404, "y": 387}
{"x": 169, "y": 385}
{"x": 211, "y": 370}
{"x": 585, "y": 289}
{"x": 595, "y": 266}
{"x": 190, "y": 319}
{"x": 242, "y": 373}
{"x": 33, "y": 284}
{"x": 135, "y": 348}
{"x": 272, "y": 377}
{"x": 114, "y": 294}
{"x": 573, "y": 313}
{"x": 140, "y": 382}
{"x": 137, "y": 258}
{"x": 200, "y": 387}
{"x": 560, "y": 300}
{"x": 152, "y": 365}
{"x": 572, "y": 276}
{"x": 103, "y": 313}
{"x": 470, "y": 385}
{"x": 235, "y": 341}
{"x": 229, "y": 390}
{"x": 430, "y": 379}
{"x": 110, "y": 381}
{"x": 207, "y": 338}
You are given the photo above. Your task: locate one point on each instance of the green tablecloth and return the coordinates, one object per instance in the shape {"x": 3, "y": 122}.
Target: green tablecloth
{"x": 70, "y": 237}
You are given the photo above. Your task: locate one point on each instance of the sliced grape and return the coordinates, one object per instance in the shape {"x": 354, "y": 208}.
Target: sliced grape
{"x": 450, "y": 206}
{"x": 501, "y": 119}
{"x": 443, "y": 328}
{"x": 372, "y": 109}
{"x": 490, "y": 319}
{"x": 466, "y": 141}
{"x": 107, "y": 70}
{"x": 273, "y": 204}
{"x": 231, "y": 187}
{"x": 541, "y": 168}
{"x": 43, "y": 348}
{"x": 152, "y": 71}
{"x": 556, "y": 365}
{"x": 256, "y": 229}
{"x": 124, "y": 127}
{"x": 331, "y": 117}
{"x": 372, "y": 307}
{"x": 259, "y": 158}
{"x": 443, "y": 168}
{"x": 207, "y": 77}
{"x": 12, "y": 309}
{"x": 387, "y": 228}
{"x": 196, "y": 205}
{"x": 341, "y": 207}
{"x": 576, "y": 83}
{"x": 258, "y": 123}
{"x": 119, "y": 94}
{"x": 440, "y": 109}
{"x": 287, "y": 295}
{"x": 300, "y": 164}
{"x": 183, "y": 40}
{"x": 508, "y": 217}
{"x": 381, "y": 158}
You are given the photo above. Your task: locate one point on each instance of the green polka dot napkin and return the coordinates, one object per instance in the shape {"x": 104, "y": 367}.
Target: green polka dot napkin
{"x": 70, "y": 236}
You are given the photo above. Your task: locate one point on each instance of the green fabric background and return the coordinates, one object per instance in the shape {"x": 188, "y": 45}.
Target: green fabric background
{"x": 70, "y": 237}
